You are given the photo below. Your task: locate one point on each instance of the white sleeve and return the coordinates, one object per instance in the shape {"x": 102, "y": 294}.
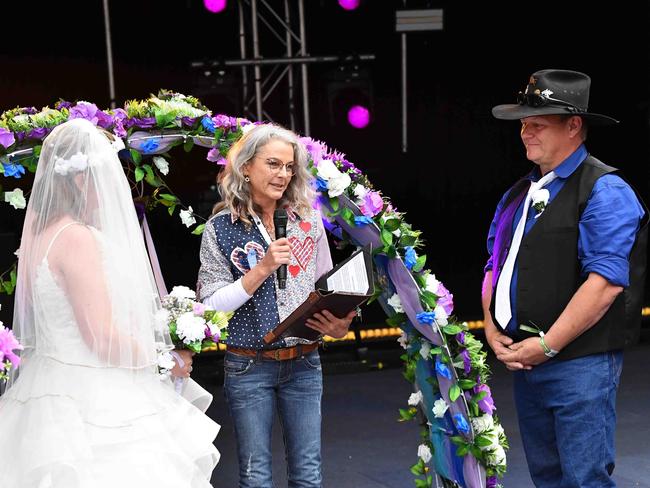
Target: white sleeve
{"x": 228, "y": 298}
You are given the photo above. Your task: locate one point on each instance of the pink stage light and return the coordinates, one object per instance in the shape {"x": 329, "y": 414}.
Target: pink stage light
{"x": 215, "y": 6}
{"x": 358, "y": 116}
{"x": 349, "y": 4}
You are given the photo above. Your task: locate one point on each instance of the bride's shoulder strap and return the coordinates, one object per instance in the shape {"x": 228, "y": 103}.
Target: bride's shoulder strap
{"x": 63, "y": 227}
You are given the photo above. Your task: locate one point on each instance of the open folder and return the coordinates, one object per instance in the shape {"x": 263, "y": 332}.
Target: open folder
{"x": 340, "y": 291}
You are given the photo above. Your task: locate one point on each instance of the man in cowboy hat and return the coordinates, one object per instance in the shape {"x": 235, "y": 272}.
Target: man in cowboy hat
{"x": 563, "y": 285}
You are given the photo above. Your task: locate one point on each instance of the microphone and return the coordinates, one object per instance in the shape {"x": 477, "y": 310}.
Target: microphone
{"x": 280, "y": 224}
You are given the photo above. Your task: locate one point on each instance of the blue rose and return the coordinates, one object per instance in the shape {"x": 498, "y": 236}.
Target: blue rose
{"x": 150, "y": 145}
{"x": 321, "y": 184}
{"x": 208, "y": 124}
{"x": 360, "y": 220}
{"x": 461, "y": 423}
{"x": 15, "y": 170}
{"x": 426, "y": 317}
{"x": 442, "y": 369}
{"x": 410, "y": 257}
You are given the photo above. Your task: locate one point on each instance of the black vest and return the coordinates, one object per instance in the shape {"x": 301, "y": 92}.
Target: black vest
{"x": 549, "y": 270}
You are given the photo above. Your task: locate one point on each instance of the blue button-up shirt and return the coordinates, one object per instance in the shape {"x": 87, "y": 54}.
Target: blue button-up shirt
{"x": 607, "y": 227}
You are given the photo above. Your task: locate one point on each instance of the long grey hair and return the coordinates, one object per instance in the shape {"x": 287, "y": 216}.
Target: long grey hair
{"x": 235, "y": 191}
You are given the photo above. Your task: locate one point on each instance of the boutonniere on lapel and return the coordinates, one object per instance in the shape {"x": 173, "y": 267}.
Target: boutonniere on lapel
{"x": 540, "y": 200}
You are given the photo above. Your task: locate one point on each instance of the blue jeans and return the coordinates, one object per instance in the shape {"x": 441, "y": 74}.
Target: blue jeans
{"x": 253, "y": 388}
{"x": 567, "y": 419}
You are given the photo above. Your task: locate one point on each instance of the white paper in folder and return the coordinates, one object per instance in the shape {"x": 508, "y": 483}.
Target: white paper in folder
{"x": 352, "y": 277}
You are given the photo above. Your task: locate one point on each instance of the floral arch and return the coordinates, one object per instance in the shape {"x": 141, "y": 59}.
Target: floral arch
{"x": 463, "y": 441}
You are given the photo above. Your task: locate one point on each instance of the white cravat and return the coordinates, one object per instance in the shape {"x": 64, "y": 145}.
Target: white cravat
{"x": 503, "y": 311}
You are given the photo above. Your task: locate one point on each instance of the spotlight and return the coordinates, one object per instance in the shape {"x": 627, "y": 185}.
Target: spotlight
{"x": 349, "y": 4}
{"x": 215, "y": 6}
{"x": 358, "y": 116}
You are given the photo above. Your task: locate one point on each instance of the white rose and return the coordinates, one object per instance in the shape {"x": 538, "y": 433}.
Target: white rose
{"x": 482, "y": 423}
{"x": 360, "y": 191}
{"x": 441, "y": 315}
{"x": 190, "y": 328}
{"x": 396, "y": 303}
{"x": 182, "y": 292}
{"x": 415, "y": 398}
{"x": 424, "y": 453}
{"x": 337, "y": 185}
{"x": 162, "y": 164}
{"x": 15, "y": 198}
{"x": 498, "y": 430}
{"x": 403, "y": 340}
{"x": 327, "y": 169}
{"x": 432, "y": 283}
{"x": 187, "y": 218}
{"x": 439, "y": 408}
{"x": 425, "y": 349}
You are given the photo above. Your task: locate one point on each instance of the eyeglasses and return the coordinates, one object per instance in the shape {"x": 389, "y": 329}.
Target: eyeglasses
{"x": 276, "y": 166}
{"x": 541, "y": 100}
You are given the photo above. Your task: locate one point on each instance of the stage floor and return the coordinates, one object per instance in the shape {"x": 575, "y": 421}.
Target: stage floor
{"x": 365, "y": 446}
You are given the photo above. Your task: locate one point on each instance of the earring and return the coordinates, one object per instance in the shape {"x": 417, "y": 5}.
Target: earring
{"x": 247, "y": 179}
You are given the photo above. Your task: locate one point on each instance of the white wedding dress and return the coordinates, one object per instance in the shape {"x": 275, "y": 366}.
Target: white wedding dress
{"x": 71, "y": 422}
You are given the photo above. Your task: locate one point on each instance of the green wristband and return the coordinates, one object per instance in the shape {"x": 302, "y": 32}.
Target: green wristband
{"x": 548, "y": 352}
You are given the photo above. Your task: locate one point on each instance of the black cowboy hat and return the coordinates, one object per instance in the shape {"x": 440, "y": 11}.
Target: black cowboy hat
{"x": 553, "y": 92}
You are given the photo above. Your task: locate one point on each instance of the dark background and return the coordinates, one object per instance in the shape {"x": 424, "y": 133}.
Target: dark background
{"x": 460, "y": 160}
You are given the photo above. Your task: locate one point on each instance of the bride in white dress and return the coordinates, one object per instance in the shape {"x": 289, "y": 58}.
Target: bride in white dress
{"x": 87, "y": 408}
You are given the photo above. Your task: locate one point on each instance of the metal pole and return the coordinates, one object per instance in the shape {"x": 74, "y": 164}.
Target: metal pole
{"x": 292, "y": 105}
{"x": 242, "y": 51}
{"x": 256, "y": 55}
{"x": 404, "y": 96}
{"x": 109, "y": 54}
{"x": 303, "y": 67}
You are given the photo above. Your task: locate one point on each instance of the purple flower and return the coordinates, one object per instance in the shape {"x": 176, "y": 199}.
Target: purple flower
{"x": 216, "y": 336}
{"x": 360, "y": 220}
{"x": 84, "y": 110}
{"x": 6, "y": 137}
{"x": 460, "y": 337}
{"x": 372, "y": 204}
{"x": 487, "y": 403}
{"x": 491, "y": 482}
{"x": 29, "y": 110}
{"x": 142, "y": 123}
{"x": 61, "y": 104}
{"x": 104, "y": 120}
{"x": 461, "y": 423}
{"x": 208, "y": 124}
{"x": 198, "y": 309}
{"x": 315, "y": 148}
{"x": 442, "y": 369}
{"x": 15, "y": 170}
{"x": 188, "y": 121}
{"x": 223, "y": 121}
{"x": 150, "y": 145}
{"x": 213, "y": 155}
{"x": 119, "y": 114}
{"x": 20, "y": 135}
{"x": 9, "y": 344}
{"x": 119, "y": 129}
{"x": 445, "y": 299}
{"x": 38, "y": 133}
{"x": 410, "y": 257}
{"x": 467, "y": 363}
{"x": 426, "y": 317}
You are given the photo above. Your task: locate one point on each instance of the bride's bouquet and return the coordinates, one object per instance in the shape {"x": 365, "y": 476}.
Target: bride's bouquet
{"x": 191, "y": 324}
{"x": 8, "y": 344}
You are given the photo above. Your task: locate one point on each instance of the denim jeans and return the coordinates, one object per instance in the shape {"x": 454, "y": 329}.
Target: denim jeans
{"x": 253, "y": 389}
{"x": 567, "y": 419}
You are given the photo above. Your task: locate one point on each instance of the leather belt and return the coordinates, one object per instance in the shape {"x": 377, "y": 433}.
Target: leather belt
{"x": 281, "y": 354}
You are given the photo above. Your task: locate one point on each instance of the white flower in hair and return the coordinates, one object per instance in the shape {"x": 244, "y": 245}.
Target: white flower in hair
{"x": 76, "y": 162}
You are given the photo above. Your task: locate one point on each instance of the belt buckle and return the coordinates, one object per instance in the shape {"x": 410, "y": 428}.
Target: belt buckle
{"x": 276, "y": 354}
